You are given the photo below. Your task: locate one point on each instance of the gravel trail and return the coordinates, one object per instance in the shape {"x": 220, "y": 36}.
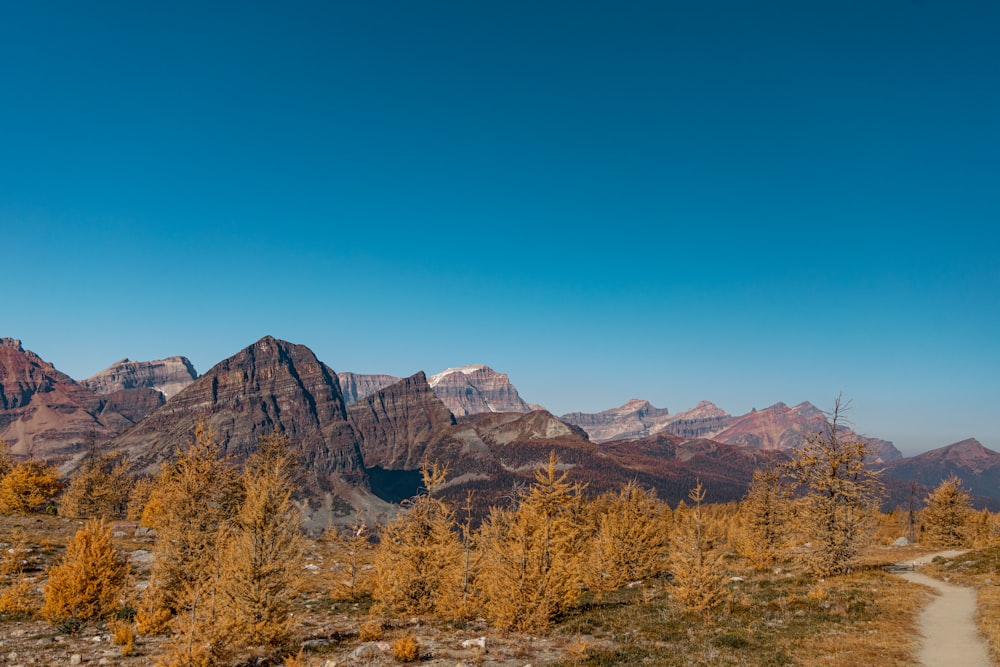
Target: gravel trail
{"x": 948, "y": 622}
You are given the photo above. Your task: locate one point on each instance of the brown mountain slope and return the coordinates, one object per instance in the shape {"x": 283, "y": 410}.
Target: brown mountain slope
{"x": 406, "y": 426}
{"x": 44, "y": 412}
{"x": 673, "y": 465}
{"x": 357, "y": 386}
{"x": 977, "y": 467}
{"x": 665, "y": 462}
{"x": 635, "y": 419}
{"x": 784, "y": 428}
{"x": 401, "y": 425}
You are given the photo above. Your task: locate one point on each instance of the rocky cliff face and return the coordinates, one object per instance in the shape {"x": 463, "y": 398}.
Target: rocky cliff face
{"x": 639, "y": 419}
{"x": 401, "y": 425}
{"x": 132, "y": 404}
{"x": 45, "y": 413}
{"x": 704, "y": 420}
{"x": 635, "y": 419}
{"x": 356, "y": 386}
{"x": 168, "y": 376}
{"x": 270, "y": 385}
{"x": 474, "y": 389}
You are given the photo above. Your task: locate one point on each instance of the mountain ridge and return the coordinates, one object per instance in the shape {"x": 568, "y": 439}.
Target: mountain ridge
{"x": 380, "y": 441}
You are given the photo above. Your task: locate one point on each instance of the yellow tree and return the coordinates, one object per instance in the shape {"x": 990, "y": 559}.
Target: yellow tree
{"x": 985, "y": 530}
{"x": 6, "y": 464}
{"x": 262, "y": 551}
{"x": 99, "y": 489}
{"x": 418, "y": 565}
{"x": 29, "y": 486}
{"x": 16, "y": 589}
{"x": 532, "y": 561}
{"x": 947, "y": 514}
{"x": 90, "y": 580}
{"x": 192, "y": 499}
{"x": 699, "y": 578}
{"x": 138, "y": 498}
{"x": 352, "y": 556}
{"x": 765, "y": 515}
{"x": 632, "y": 539}
{"x": 840, "y": 497}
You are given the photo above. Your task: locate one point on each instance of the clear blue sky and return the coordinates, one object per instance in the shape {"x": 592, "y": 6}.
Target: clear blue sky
{"x": 673, "y": 200}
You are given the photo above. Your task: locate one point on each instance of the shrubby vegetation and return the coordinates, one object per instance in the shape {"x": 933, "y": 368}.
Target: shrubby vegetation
{"x": 89, "y": 581}
{"x": 227, "y": 580}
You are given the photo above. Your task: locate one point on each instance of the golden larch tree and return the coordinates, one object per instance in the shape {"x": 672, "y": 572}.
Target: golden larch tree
{"x": 841, "y": 492}
{"x": 29, "y": 486}
{"x": 418, "y": 564}
{"x": 16, "y": 589}
{"x": 6, "y": 463}
{"x": 947, "y": 514}
{"x": 533, "y": 557}
{"x": 351, "y": 557}
{"x": 765, "y": 516}
{"x": 90, "y": 579}
{"x": 262, "y": 551}
{"x": 696, "y": 558}
{"x": 100, "y": 488}
{"x": 632, "y": 538}
{"x": 191, "y": 501}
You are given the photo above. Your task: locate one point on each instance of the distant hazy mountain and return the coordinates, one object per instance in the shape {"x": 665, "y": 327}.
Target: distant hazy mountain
{"x": 168, "y": 376}
{"x": 635, "y": 419}
{"x": 357, "y": 386}
{"x": 777, "y": 428}
{"x": 474, "y": 389}
{"x": 784, "y": 428}
{"x": 977, "y": 467}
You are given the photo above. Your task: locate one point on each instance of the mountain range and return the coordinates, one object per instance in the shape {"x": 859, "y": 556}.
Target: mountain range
{"x": 363, "y": 438}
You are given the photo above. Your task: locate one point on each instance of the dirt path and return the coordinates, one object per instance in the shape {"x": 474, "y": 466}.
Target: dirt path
{"x": 948, "y": 622}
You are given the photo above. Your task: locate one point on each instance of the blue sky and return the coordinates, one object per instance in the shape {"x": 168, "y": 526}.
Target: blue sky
{"x": 732, "y": 201}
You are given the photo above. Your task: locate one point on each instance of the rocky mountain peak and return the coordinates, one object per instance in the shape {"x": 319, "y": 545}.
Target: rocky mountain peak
{"x": 808, "y": 410}
{"x": 436, "y": 379}
{"x": 635, "y": 419}
{"x": 476, "y": 388}
{"x": 401, "y": 425}
{"x": 703, "y": 410}
{"x": 636, "y": 405}
{"x": 969, "y": 452}
{"x": 971, "y": 446}
{"x": 269, "y": 385}
{"x": 11, "y": 342}
{"x": 168, "y": 376}
{"x": 977, "y": 467}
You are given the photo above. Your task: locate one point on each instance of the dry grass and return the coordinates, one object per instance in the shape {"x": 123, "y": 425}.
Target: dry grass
{"x": 989, "y": 617}
{"x": 865, "y": 618}
{"x": 878, "y": 624}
